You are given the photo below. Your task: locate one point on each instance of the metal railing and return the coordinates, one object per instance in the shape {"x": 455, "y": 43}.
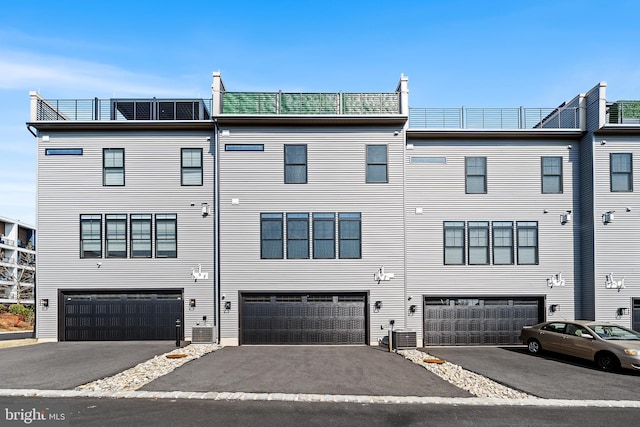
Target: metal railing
{"x": 121, "y": 109}
{"x": 310, "y": 103}
{"x": 624, "y": 112}
{"x": 493, "y": 118}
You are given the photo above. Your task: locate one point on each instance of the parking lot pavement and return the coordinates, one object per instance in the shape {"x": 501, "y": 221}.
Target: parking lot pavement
{"x": 65, "y": 365}
{"x": 347, "y": 370}
{"x": 548, "y": 376}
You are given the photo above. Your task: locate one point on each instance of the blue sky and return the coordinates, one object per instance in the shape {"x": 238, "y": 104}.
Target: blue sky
{"x": 455, "y": 53}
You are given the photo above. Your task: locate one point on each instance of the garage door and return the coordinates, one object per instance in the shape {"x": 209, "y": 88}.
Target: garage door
{"x": 303, "y": 319}
{"x": 479, "y": 321}
{"x": 116, "y": 316}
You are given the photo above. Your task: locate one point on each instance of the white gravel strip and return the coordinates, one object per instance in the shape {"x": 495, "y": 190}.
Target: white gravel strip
{"x": 466, "y": 380}
{"x": 145, "y": 372}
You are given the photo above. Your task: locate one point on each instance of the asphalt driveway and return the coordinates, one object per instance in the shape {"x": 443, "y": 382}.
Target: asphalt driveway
{"x": 548, "y": 376}
{"x": 357, "y": 370}
{"x": 66, "y": 365}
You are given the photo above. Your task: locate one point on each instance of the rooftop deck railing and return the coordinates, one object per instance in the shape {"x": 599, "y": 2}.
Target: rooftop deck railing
{"x": 123, "y": 109}
{"x": 493, "y": 118}
{"x": 310, "y": 103}
{"x": 624, "y": 112}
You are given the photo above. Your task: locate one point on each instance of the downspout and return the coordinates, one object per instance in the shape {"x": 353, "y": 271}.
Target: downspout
{"x": 216, "y": 230}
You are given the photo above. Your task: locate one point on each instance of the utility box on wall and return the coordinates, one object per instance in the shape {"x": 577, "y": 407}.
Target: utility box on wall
{"x": 403, "y": 339}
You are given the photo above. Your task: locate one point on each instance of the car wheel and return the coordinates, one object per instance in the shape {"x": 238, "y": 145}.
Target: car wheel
{"x": 534, "y": 347}
{"x": 607, "y": 361}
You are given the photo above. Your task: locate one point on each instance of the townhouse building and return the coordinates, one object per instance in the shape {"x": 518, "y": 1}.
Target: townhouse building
{"x": 332, "y": 218}
{"x": 124, "y": 196}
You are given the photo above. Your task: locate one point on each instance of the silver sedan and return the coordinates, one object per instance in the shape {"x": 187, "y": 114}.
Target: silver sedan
{"x": 609, "y": 345}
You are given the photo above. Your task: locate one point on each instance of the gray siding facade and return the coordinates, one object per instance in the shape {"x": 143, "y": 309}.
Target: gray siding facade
{"x": 435, "y": 192}
{"x": 336, "y": 165}
{"x": 70, "y": 186}
{"x": 617, "y": 246}
{"x": 401, "y": 218}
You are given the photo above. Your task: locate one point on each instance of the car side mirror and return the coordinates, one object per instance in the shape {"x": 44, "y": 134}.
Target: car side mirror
{"x": 587, "y": 336}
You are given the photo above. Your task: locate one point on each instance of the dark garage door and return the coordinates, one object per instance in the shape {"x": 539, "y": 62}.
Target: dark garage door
{"x": 304, "y": 319}
{"x": 479, "y": 321}
{"x": 117, "y": 316}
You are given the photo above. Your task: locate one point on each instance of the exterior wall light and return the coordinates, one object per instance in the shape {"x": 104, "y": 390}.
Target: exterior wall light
{"x": 192, "y": 302}
{"x": 555, "y": 280}
{"x": 44, "y": 302}
{"x": 554, "y": 307}
{"x": 607, "y": 217}
{"x": 622, "y": 311}
{"x": 611, "y": 283}
{"x": 412, "y": 308}
{"x": 377, "y": 305}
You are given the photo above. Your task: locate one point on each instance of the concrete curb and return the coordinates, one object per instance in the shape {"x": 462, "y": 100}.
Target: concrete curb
{"x": 323, "y": 398}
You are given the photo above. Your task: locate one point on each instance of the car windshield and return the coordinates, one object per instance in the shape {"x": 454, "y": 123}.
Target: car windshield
{"x": 612, "y": 332}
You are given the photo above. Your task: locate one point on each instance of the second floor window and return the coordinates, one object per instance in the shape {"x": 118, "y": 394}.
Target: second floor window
{"x": 503, "y": 242}
{"x": 271, "y": 236}
{"x": 140, "y": 235}
{"x": 166, "y": 236}
{"x": 113, "y": 166}
{"x": 191, "y": 166}
{"x": 295, "y": 164}
{"x": 116, "y": 236}
{"x": 527, "y": 242}
{"x": 297, "y": 235}
{"x": 454, "y": 243}
{"x": 620, "y": 165}
{"x": 324, "y": 235}
{"x": 478, "y": 237}
{"x": 475, "y": 175}
{"x": 350, "y": 235}
{"x": 90, "y": 236}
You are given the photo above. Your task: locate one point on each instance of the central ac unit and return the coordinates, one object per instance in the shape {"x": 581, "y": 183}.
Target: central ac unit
{"x": 403, "y": 339}
{"x": 202, "y": 334}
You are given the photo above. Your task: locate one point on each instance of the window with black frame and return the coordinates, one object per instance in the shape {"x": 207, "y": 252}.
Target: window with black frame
{"x": 502, "y": 242}
{"x": 454, "y": 243}
{"x": 475, "y": 175}
{"x": 116, "y": 235}
{"x": 377, "y": 164}
{"x": 349, "y": 235}
{"x": 271, "y": 236}
{"x": 551, "y": 174}
{"x": 191, "y": 163}
{"x": 113, "y": 166}
{"x": 324, "y": 235}
{"x": 140, "y": 235}
{"x": 90, "y": 236}
{"x": 297, "y": 235}
{"x": 295, "y": 164}
{"x": 527, "y": 242}
{"x": 166, "y": 236}
{"x": 478, "y": 238}
{"x": 621, "y": 170}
